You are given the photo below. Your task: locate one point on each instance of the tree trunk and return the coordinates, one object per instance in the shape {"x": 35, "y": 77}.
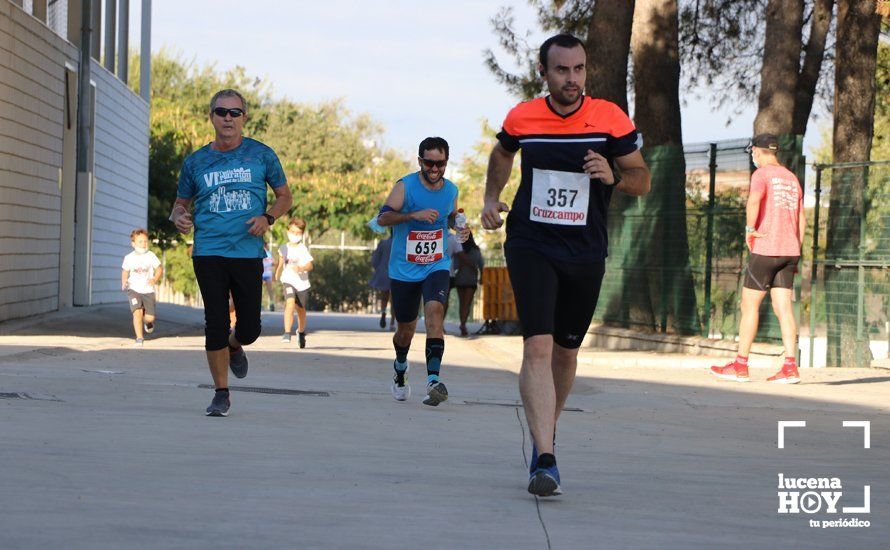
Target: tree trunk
{"x": 781, "y": 65}
{"x": 812, "y": 65}
{"x": 858, "y": 29}
{"x": 608, "y": 43}
{"x": 657, "y": 290}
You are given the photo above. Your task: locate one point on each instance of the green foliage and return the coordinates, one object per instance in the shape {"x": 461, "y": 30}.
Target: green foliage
{"x": 336, "y": 170}
{"x": 340, "y": 280}
{"x": 179, "y": 270}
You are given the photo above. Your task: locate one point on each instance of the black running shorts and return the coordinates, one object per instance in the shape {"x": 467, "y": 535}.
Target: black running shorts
{"x": 406, "y": 295}
{"x": 552, "y": 297}
{"x": 765, "y": 272}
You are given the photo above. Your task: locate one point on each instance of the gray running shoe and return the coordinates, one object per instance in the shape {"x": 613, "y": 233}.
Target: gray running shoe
{"x": 238, "y": 363}
{"x": 435, "y": 393}
{"x": 138, "y": 342}
{"x": 219, "y": 406}
{"x": 285, "y": 337}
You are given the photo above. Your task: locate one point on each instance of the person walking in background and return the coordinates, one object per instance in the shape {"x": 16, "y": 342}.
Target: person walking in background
{"x": 776, "y": 224}
{"x": 268, "y": 268}
{"x": 454, "y": 249}
{"x": 466, "y": 278}
{"x": 140, "y": 272}
{"x": 293, "y": 272}
{"x": 380, "y": 278}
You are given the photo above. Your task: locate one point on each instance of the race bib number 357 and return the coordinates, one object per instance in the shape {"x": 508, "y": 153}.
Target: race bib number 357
{"x": 424, "y": 247}
{"x": 560, "y": 197}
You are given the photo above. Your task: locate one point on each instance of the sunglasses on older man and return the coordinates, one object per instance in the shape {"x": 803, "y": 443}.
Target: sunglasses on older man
{"x": 427, "y": 163}
{"x": 222, "y": 112}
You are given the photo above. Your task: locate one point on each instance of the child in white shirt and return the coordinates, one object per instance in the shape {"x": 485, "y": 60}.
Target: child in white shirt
{"x": 140, "y": 272}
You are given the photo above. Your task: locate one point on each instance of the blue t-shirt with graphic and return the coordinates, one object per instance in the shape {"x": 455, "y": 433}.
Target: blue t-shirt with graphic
{"x": 228, "y": 188}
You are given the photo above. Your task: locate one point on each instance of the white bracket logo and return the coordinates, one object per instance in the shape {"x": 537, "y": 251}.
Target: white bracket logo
{"x": 788, "y": 424}
{"x": 866, "y": 444}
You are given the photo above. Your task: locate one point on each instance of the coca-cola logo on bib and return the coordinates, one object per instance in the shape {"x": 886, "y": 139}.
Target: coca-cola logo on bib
{"x": 425, "y": 235}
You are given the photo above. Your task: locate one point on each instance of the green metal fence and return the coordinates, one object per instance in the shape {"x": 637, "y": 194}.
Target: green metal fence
{"x": 850, "y": 274}
{"x": 677, "y": 256}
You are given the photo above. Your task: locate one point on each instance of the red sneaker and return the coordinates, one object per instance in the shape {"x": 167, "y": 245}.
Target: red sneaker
{"x": 732, "y": 371}
{"x": 788, "y": 375}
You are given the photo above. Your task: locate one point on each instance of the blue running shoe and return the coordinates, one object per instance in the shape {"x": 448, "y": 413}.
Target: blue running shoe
{"x": 544, "y": 482}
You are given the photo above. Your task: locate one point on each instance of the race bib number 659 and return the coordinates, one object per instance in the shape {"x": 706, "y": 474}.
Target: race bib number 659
{"x": 424, "y": 247}
{"x": 560, "y": 197}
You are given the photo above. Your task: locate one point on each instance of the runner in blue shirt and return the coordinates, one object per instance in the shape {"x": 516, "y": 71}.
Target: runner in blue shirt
{"x": 226, "y": 182}
{"x": 421, "y": 208}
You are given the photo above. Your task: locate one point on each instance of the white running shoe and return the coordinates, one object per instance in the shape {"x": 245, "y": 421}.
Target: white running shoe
{"x": 403, "y": 392}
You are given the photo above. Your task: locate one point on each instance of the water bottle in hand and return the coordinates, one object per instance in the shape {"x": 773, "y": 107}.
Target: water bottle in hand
{"x": 460, "y": 220}
{"x": 460, "y": 226}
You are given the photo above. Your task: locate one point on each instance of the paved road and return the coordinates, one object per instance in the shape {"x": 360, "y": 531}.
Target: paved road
{"x": 106, "y": 446}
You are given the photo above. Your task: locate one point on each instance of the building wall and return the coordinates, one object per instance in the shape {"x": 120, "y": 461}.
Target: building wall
{"x": 32, "y": 100}
{"x": 32, "y": 114}
{"x": 121, "y": 169}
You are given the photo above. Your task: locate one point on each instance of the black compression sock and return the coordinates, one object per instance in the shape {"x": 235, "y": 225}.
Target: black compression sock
{"x": 546, "y": 460}
{"x": 435, "y": 349}
{"x": 401, "y": 352}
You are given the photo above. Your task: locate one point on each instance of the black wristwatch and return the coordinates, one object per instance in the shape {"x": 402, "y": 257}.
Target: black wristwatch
{"x": 616, "y": 175}
{"x": 269, "y": 218}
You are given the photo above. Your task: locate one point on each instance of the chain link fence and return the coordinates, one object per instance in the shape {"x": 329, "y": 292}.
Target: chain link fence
{"x": 848, "y": 305}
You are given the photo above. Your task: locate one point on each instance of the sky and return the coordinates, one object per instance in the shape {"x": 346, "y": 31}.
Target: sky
{"x": 416, "y": 68}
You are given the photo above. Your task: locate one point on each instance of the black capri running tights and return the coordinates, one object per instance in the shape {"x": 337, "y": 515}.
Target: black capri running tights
{"x": 217, "y": 277}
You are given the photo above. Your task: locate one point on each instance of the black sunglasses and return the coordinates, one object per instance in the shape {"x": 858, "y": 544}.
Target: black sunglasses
{"x": 427, "y": 163}
{"x": 222, "y": 112}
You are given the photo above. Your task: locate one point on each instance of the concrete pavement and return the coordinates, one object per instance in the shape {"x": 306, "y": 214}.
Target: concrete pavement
{"x": 106, "y": 446}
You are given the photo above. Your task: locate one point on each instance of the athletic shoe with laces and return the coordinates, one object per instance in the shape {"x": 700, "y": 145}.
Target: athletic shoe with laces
{"x": 285, "y": 337}
{"x": 436, "y": 393}
{"x": 787, "y": 375}
{"x": 544, "y": 482}
{"x": 238, "y": 362}
{"x": 302, "y": 338}
{"x": 400, "y": 392}
{"x": 149, "y": 327}
{"x": 732, "y": 371}
{"x": 138, "y": 343}
{"x": 219, "y": 406}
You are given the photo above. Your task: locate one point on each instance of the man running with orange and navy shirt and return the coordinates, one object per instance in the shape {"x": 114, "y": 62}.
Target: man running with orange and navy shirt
{"x": 556, "y": 232}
